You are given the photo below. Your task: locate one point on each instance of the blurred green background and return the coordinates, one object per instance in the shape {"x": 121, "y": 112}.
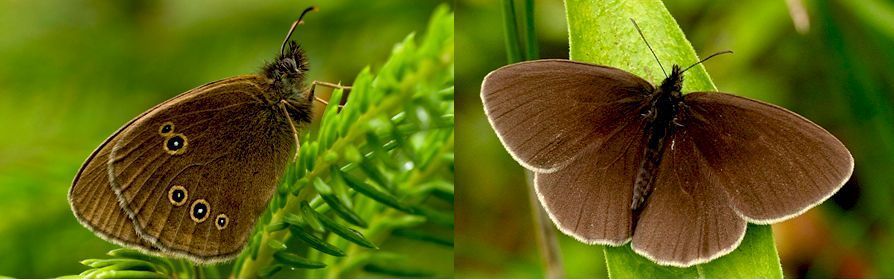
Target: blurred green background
{"x": 72, "y": 72}
{"x": 829, "y": 61}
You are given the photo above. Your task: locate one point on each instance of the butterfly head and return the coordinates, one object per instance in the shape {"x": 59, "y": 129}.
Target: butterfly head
{"x": 291, "y": 63}
{"x": 287, "y": 71}
{"x": 673, "y": 84}
{"x": 287, "y": 74}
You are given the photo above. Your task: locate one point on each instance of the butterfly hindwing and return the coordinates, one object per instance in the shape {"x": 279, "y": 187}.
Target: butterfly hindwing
{"x": 688, "y": 218}
{"x": 773, "y": 164}
{"x": 590, "y": 199}
{"x": 95, "y": 205}
{"x": 233, "y": 148}
{"x": 546, "y": 111}
{"x": 733, "y": 161}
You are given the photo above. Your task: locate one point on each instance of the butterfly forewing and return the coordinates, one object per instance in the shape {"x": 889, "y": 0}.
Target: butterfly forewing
{"x": 591, "y": 201}
{"x": 688, "y": 218}
{"x": 545, "y": 112}
{"x": 772, "y": 163}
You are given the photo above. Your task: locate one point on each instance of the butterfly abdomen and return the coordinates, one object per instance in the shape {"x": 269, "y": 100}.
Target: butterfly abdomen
{"x": 648, "y": 170}
{"x": 659, "y": 117}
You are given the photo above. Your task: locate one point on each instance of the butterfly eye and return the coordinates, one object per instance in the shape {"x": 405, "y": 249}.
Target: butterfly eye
{"x": 166, "y": 129}
{"x": 199, "y": 210}
{"x": 176, "y": 144}
{"x": 221, "y": 221}
{"x": 177, "y": 195}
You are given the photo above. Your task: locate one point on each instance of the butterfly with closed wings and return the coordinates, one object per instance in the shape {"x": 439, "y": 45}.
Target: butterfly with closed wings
{"x": 190, "y": 176}
{"x": 617, "y": 160}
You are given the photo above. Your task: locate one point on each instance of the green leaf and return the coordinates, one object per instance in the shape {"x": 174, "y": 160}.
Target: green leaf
{"x": 276, "y": 227}
{"x": 343, "y": 211}
{"x": 310, "y": 216}
{"x": 425, "y": 236}
{"x": 269, "y": 271}
{"x": 276, "y": 244}
{"x": 756, "y": 257}
{"x": 254, "y": 248}
{"x": 296, "y": 261}
{"x": 134, "y": 254}
{"x": 372, "y": 192}
{"x": 317, "y": 243}
{"x": 322, "y": 187}
{"x": 124, "y": 264}
{"x": 512, "y": 50}
{"x": 370, "y": 170}
{"x": 622, "y": 262}
{"x": 601, "y": 32}
{"x": 405, "y": 222}
{"x": 394, "y": 265}
{"x": 341, "y": 230}
{"x": 294, "y": 220}
{"x": 129, "y": 274}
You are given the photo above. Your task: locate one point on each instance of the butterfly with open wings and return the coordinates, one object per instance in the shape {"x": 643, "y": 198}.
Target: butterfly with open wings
{"x": 617, "y": 160}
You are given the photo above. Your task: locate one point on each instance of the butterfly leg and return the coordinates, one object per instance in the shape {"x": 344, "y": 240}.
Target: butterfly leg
{"x": 314, "y": 84}
{"x": 649, "y": 115}
{"x": 282, "y": 105}
{"x": 677, "y": 120}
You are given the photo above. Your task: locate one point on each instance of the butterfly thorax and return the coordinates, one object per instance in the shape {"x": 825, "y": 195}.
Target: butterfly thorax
{"x": 664, "y": 106}
{"x": 287, "y": 75}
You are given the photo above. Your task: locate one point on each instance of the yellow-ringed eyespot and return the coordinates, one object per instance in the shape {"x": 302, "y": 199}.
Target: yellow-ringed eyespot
{"x": 178, "y": 195}
{"x": 166, "y": 129}
{"x": 221, "y": 221}
{"x": 176, "y": 144}
{"x": 199, "y": 211}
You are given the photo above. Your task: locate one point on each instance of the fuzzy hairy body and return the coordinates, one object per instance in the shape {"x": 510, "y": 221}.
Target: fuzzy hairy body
{"x": 660, "y": 116}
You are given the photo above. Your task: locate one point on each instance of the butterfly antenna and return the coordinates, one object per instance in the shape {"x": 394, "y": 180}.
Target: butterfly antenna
{"x": 282, "y": 50}
{"x": 647, "y": 45}
{"x": 706, "y": 59}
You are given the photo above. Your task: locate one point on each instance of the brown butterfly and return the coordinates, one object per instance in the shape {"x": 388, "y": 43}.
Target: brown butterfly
{"x": 618, "y": 160}
{"x": 190, "y": 176}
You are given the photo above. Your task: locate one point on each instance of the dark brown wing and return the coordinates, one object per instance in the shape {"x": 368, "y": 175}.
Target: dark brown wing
{"x": 546, "y": 111}
{"x": 687, "y": 219}
{"x": 773, "y": 163}
{"x": 94, "y": 203}
{"x": 236, "y": 147}
{"x": 590, "y": 198}
{"x": 96, "y": 206}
